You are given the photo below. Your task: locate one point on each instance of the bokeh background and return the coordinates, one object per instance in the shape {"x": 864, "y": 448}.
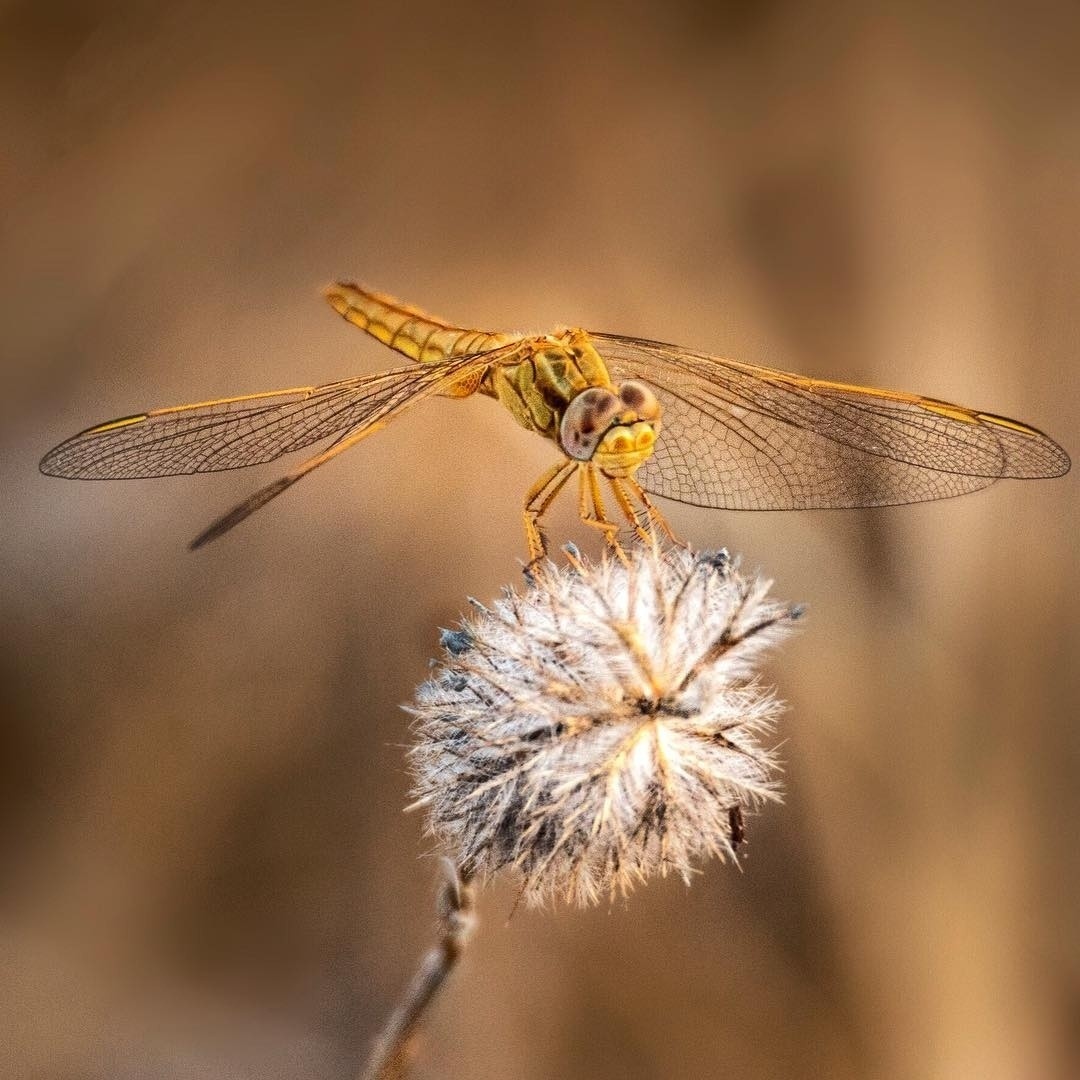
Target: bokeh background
{"x": 205, "y": 867}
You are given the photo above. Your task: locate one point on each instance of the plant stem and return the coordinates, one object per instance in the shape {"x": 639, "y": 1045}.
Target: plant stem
{"x": 389, "y": 1058}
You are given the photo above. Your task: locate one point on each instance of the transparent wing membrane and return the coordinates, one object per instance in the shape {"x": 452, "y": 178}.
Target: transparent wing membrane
{"x": 751, "y": 438}
{"x": 231, "y": 433}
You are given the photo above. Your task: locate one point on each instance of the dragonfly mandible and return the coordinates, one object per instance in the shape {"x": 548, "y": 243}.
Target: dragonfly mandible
{"x": 629, "y": 416}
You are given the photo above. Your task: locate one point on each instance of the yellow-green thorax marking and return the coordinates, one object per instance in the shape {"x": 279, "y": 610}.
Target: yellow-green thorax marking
{"x": 561, "y": 389}
{"x": 556, "y": 385}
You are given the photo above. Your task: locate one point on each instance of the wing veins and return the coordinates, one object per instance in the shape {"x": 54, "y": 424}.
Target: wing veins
{"x": 887, "y": 447}
{"x": 318, "y": 421}
{"x": 184, "y": 440}
{"x": 433, "y": 378}
{"x": 822, "y": 400}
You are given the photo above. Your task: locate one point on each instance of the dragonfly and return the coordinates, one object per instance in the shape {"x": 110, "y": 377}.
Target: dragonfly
{"x": 631, "y": 418}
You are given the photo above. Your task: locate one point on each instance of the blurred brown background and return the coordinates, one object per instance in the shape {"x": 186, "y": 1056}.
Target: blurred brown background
{"x": 206, "y": 870}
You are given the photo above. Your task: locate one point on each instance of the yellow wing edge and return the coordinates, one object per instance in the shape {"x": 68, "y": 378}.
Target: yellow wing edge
{"x": 139, "y": 418}
{"x": 112, "y": 425}
{"x": 947, "y": 409}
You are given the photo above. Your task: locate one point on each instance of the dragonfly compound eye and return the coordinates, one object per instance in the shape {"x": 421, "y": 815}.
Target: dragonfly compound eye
{"x": 586, "y": 420}
{"x": 639, "y": 399}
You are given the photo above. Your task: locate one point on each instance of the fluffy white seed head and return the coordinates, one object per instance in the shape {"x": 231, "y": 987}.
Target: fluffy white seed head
{"x": 601, "y": 725}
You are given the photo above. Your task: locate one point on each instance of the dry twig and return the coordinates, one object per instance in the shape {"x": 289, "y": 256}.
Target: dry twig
{"x": 389, "y": 1059}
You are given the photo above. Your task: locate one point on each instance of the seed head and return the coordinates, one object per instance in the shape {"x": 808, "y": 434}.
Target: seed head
{"x": 601, "y": 725}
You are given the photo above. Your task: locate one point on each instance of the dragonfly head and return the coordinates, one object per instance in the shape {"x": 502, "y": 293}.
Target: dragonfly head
{"x": 615, "y": 428}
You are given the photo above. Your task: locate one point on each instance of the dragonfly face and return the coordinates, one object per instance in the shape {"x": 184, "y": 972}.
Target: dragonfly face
{"x": 631, "y": 416}
{"x": 615, "y": 429}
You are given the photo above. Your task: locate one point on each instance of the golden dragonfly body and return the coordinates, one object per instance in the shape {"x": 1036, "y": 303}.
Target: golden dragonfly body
{"x": 629, "y": 415}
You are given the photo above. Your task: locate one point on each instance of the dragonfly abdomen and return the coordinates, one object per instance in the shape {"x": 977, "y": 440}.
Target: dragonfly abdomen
{"x": 408, "y": 330}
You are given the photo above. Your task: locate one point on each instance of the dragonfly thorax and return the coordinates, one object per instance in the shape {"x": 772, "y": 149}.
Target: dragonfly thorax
{"x": 616, "y": 428}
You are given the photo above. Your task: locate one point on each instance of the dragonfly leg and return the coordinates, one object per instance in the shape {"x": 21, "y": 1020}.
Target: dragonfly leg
{"x": 626, "y": 505}
{"x": 538, "y": 498}
{"x": 656, "y": 519}
{"x": 592, "y": 511}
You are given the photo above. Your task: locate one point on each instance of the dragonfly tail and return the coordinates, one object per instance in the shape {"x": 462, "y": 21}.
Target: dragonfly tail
{"x": 408, "y": 330}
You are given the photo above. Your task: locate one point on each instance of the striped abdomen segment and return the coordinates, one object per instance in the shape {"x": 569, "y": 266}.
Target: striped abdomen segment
{"x": 408, "y": 330}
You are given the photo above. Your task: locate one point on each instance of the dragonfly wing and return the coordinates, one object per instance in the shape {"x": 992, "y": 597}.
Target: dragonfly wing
{"x": 231, "y": 433}
{"x": 750, "y": 438}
